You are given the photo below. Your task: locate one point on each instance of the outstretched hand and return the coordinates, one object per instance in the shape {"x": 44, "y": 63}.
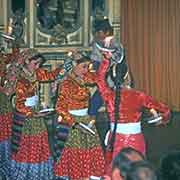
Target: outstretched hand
{"x": 107, "y": 41}
{"x": 107, "y": 55}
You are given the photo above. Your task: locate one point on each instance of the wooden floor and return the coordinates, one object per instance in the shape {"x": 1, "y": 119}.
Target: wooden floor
{"x": 160, "y": 140}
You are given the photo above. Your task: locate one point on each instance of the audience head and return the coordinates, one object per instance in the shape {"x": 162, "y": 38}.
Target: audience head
{"x": 170, "y": 166}
{"x": 122, "y": 162}
{"x": 141, "y": 170}
{"x": 132, "y": 154}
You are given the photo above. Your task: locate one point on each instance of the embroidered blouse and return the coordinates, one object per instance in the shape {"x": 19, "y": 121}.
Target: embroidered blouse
{"x": 73, "y": 95}
{"x": 26, "y": 89}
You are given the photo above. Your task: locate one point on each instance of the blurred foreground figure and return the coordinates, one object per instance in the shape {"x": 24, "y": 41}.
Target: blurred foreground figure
{"x": 141, "y": 170}
{"x": 122, "y": 162}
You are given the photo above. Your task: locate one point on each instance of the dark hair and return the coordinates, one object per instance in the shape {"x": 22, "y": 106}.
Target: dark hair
{"x": 141, "y": 170}
{"x": 170, "y": 166}
{"x": 129, "y": 150}
{"x": 122, "y": 160}
{"x": 117, "y": 76}
{"x": 83, "y": 57}
{"x": 82, "y": 60}
{"x": 38, "y": 56}
{"x": 120, "y": 71}
{"x": 122, "y": 163}
{"x": 103, "y": 25}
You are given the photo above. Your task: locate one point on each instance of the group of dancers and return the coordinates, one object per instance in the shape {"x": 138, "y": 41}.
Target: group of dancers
{"x": 25, "y": 152}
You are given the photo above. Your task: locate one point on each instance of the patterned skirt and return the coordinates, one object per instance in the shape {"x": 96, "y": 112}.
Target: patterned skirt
{"x": 5, "y": 132}
{"x": 82, "y": 155}
{"x": 32, "y": 159}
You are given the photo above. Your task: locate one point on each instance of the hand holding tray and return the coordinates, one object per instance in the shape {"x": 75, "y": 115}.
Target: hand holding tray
{"x": 154, "y": 119}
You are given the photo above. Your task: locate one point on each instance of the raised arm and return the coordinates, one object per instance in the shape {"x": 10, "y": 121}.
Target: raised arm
{"x": 44, "y": 75}
{"x": 104, "y": 89}
{"x": 57, "y": 74}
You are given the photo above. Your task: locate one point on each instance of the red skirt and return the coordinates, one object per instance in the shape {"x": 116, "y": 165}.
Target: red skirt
{"x": 80, "y": 163}
{"x": 5, "y": 126}
{"x": 33, "y": 149}
{"x": 135, "y": 141}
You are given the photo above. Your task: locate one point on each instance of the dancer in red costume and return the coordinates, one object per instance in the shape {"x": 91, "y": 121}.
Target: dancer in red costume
{"x": 82, "y": 155}
{"x": 31, "y": 155}
{"x": 126, "y": 106}
{"x": 8, "y": 76}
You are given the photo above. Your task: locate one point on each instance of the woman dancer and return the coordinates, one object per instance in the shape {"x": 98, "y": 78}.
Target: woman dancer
{"x": 82, "y": 155}
{"x": 31, "y": 155}
{"x": 125, "y": 106}
{"x": 8, "y": 75}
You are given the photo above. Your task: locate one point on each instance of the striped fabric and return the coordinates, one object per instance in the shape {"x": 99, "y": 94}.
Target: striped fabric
{"x": 60, "y": 137}
{"x": 18, "y": 121}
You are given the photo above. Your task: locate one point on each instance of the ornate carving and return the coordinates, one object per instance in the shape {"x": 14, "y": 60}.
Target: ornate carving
{"x": 59, "y": 35}
{"x": 58, "y": 19}
{"x": 17, "y": 27}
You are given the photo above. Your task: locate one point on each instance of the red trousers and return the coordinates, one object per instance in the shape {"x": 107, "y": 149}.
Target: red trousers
{"x": 135, "y": 141}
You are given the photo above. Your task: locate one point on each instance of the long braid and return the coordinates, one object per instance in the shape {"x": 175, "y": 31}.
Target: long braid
{"x": 118, "y": 82}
